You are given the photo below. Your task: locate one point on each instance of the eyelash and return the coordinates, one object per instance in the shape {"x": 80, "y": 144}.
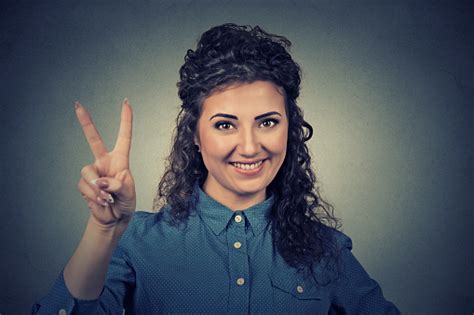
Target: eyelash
{"x": 273, "y": 120}
{"x": 218, "y": 124}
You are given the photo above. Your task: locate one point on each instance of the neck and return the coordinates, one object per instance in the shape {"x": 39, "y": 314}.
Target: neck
{"x": 232, "y": 200}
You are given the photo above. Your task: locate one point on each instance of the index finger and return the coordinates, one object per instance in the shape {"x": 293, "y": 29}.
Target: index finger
{"x": 90, "y": 132}
{"x": 124, "y": 138}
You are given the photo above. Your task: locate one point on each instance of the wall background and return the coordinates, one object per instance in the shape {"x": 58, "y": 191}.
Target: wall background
{"x": 388, "y": 88}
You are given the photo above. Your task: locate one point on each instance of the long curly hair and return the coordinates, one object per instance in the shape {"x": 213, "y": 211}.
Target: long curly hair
{"x": 230, "y": 54}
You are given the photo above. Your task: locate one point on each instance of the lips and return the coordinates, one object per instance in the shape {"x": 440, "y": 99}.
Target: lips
{"x": 248, "y": 168}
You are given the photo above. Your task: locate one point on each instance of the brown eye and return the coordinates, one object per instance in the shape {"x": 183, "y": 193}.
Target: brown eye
{"x": 223, "y": 125}
{"x": 269, "y": 123}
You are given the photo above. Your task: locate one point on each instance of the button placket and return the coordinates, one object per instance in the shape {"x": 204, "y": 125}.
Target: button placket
{"x": 238, "y": 265}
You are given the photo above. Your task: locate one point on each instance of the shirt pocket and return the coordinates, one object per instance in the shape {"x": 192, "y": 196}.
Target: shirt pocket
{"x": 294, "y": 293}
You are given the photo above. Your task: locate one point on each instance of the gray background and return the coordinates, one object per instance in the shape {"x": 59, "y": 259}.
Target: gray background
{"x": 388, "y": 88}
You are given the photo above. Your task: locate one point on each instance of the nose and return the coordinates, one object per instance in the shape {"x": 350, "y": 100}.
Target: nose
{"x": 249, "y": 144}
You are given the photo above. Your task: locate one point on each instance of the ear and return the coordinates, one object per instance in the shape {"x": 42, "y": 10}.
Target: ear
{"x": 197, "y": 144}
{"x": 196, "y": 135}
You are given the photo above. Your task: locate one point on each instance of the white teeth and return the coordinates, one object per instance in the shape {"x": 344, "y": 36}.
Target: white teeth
{"x": 247, "y": 166}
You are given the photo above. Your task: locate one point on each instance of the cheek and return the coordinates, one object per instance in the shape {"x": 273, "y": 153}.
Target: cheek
{"x": 214, "y": 146}
{"x": 277, "y": 144}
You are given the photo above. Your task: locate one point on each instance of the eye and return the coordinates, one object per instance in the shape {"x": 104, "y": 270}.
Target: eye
{"x": 223, "y": 125}
{"x": 270, "y": 123}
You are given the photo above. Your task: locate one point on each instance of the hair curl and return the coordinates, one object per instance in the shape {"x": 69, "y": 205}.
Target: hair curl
{"x": 229, "y": 54}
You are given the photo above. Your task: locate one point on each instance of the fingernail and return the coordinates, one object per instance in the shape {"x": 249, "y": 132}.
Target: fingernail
{"x": 77, "y": 105}
{"x": 102, "y": 184}
{"x": 125, "y": 100}
{"x": 110, "y": 199}
{"x": 102, "y": 201}
{"x": 107, "y": 196}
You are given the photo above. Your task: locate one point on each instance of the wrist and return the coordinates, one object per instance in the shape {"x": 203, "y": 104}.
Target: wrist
{"x": 107, "y": 230}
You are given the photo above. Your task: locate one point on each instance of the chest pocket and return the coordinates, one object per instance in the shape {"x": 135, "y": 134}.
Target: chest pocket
{"x": 294, "y": 293}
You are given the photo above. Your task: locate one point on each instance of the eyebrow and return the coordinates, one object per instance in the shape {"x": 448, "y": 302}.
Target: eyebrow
{"x": 236, "y": 118}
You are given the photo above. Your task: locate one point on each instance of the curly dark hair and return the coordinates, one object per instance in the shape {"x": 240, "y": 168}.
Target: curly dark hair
{"x": 230, "y": 54}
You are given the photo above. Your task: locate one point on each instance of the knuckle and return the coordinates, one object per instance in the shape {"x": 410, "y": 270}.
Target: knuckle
{"x": 80, "y": 184}
{"x": 84, "y": 170}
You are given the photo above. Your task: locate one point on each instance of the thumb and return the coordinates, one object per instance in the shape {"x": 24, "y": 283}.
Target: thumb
{"x": 121, "y": 185}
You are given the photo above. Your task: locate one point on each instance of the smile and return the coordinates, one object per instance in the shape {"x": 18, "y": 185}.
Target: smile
{"x": 248, "y": 169}
{"x": 245, "y": 166}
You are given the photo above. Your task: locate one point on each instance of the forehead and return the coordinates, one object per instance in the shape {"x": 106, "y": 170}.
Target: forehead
{"x": 245, "y": 99}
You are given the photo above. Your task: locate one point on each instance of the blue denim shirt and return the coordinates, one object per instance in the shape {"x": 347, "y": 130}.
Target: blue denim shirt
{"x": 219, "y": 262}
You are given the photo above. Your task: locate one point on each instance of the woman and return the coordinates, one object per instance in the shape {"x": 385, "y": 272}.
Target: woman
{"x": 241, "y": 226}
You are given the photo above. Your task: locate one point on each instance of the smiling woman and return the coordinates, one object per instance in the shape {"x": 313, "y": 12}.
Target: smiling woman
{"x": 240, "y": 227}
{"x": 244, "y": 151}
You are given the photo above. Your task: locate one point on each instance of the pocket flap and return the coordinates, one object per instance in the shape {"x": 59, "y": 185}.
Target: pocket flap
{"x": 303, "y": 288}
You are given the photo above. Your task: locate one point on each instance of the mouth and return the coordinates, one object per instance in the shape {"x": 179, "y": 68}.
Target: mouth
{"x": 252, "y": 167}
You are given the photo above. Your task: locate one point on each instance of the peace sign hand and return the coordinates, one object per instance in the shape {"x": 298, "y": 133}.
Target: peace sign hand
{"x": 107, "y": 184}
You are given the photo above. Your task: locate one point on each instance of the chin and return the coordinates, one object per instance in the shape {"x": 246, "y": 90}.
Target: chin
{"x": 245, "y": 191}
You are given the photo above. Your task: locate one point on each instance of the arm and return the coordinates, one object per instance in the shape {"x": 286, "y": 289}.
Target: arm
{"x": 115, "y": 292}
{"x": 108, "y": 187}
{"x": 85, "y": 272}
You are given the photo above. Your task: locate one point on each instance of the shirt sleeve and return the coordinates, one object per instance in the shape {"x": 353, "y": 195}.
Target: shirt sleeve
{"x": 116, "y": 293}
{"x": 355, "y": 292}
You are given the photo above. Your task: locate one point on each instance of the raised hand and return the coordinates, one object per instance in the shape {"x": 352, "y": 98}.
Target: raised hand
{"x": 107, "y": 184}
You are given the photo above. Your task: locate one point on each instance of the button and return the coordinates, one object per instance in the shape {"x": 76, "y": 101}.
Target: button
{"x": 237, "y": 245}
{"x": 62, "y": 312}
{"x": 238, "y": 218}
{"x": 240, "y": 281}
{"x": 299, "y": 289}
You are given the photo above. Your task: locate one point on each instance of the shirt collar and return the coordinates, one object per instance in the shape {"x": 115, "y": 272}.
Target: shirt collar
{"x": 217, "y": 216}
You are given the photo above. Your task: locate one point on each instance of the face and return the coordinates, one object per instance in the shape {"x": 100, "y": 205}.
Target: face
{"x": 242, "y": 133}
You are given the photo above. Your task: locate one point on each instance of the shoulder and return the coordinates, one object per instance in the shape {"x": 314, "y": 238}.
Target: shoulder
{"x": 337, "y": 246}
{"x": 343, "y": 241}
{"x": 147, "y": 225}
{"x": 150, "y": 236}
{"x": 143, "y": 222}
{"x": 352, "y": 289}
{"x": 339, "y": 238}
